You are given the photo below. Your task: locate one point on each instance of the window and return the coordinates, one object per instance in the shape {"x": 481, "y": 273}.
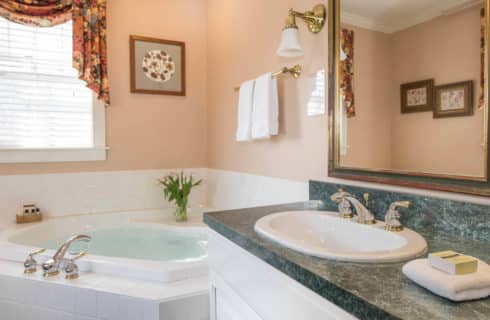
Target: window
{"x": 46, "y": 113}
{"x": 316, "y": 101}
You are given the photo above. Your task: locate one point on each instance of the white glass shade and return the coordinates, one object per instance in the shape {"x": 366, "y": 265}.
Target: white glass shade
{"x": 290, "y": 46}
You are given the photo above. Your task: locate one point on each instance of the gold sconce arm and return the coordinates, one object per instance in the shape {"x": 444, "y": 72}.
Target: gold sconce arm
{"x": 315, "y": 19}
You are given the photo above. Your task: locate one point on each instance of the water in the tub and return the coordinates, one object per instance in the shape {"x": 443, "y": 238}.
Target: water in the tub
{"x": 142, "y": 243}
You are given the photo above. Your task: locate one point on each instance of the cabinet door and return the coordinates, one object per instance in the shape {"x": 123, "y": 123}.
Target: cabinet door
{"x": 225, "y": 310}
{"x": 227, "y": 305}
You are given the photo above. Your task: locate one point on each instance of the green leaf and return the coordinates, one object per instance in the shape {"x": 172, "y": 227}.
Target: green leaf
{"x": 178, "y": 187}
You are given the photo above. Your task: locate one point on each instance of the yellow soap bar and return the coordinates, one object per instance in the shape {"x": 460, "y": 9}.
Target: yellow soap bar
{"x": 464, "y": 264}
{"x": 445, "y": 254}
{"x": 453, "y": 263}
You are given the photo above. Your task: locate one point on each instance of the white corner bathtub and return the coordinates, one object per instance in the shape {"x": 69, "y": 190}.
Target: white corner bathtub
{"x": 140, "y": 245}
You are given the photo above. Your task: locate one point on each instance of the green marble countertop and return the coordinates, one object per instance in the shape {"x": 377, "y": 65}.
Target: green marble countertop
{"x": 368, "y": 291}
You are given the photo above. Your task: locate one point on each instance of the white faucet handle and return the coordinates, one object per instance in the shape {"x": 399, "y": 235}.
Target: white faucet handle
{"x": 392, "y": 216}
{"x": 30, "y": 264}
{"x": 339, "y": 196}
{"x": 71, "y": 268}
{"x": 397, "y": 204}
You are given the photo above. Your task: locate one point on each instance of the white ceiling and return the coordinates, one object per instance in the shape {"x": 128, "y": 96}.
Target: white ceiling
{"x": 390, "y": 16}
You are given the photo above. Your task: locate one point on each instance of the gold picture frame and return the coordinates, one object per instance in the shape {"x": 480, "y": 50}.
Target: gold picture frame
{"x": 454, "y": 100}
{"x": 157, "y": 66}
{"x": 417, "y": 96}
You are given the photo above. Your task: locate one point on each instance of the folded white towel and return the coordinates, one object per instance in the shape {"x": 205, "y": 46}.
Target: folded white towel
{"x": 265, "y": 108}
{"x": 274, "y": 109}
{"x": 245, "y": 110}
{"x": 453, "y": 287}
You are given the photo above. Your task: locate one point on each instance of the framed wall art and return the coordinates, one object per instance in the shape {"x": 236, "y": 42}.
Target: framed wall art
{"x": 417, "y": 96}
{"x": 454, "y": 100}
{"x": 157, "y": 66}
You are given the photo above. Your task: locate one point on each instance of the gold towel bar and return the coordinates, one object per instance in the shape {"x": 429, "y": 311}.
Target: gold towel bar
{"x": 294, "y": 71}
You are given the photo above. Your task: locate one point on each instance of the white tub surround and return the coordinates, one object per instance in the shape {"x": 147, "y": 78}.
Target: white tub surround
{"x": 137, "y": 245}
{"x": 114, "y": 287}
{"x": 98, "y": 297}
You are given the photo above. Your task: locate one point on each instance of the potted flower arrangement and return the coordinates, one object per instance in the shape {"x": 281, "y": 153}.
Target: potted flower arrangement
{"x": 177, "y": 188}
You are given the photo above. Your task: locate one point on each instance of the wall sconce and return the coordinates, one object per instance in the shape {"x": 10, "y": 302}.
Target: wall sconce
{"x": 290, "y": 45}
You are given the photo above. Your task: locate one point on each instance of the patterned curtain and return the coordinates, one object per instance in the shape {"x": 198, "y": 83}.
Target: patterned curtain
{"x": 481, "y": 100}
{"x": 89, "y": 33}
{"x": 90, "y": 45}
{"x": 347, "y": 71}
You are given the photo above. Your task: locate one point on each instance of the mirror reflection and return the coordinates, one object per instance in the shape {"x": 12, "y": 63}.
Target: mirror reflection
{"x": 412, "y": 82}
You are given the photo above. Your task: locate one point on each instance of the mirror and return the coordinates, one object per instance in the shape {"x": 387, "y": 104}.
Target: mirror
{"x": 410, "y": 92}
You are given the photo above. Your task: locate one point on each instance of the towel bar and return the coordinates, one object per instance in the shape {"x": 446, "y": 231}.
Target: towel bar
{"x": 294, "y": 71}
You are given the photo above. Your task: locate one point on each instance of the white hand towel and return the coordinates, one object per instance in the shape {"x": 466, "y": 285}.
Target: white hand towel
{"x": 245, "y": 110}
{"x": 453, "y": 287}
{"x": 265, "y": 108}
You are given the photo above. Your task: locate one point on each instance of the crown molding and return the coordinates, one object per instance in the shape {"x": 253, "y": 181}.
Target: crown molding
{"x": 363, "y": 22}
{"x": 372, "y": 24}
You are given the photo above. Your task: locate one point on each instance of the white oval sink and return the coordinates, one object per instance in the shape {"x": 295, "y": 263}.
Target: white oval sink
{"x": 322, "y": 234}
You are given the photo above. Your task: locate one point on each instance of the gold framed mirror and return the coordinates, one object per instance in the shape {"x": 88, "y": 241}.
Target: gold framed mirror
{"x": 408, "y": 93}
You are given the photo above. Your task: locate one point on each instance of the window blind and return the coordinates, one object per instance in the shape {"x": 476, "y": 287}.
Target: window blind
{"x": 43, "y": 104}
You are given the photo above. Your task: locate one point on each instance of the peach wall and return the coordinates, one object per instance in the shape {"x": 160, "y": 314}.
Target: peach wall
{"x": 448, "y": 50}
{"x": 243, "y": 38}
{"x": 369, "y": 132}
{"x": 227, "y": 42}
{"x": 145, "y": 131}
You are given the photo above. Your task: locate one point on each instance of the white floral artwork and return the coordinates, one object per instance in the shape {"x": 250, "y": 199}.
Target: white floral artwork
{"x": 417, "y": 97}
{"x": 158, "y": 66}
{"x": 452, "y": 99}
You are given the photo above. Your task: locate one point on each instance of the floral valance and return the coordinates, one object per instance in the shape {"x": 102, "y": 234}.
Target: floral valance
{"x": 89, "y": 33}
{"x": 347, "y": 71}
{"x": 41, "y": 13}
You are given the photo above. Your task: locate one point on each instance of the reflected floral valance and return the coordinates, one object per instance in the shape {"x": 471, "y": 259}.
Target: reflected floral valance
{"x": 347, "y": 71}
{"x": 481, "y": 100}
{"x": 89, "y": 33}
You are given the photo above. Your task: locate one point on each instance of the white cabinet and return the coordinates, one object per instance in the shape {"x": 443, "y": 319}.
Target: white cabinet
{"x": 243, "y": 287}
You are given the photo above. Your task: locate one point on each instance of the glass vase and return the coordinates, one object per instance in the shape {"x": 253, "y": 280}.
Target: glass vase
{"x": 181, "y": 214}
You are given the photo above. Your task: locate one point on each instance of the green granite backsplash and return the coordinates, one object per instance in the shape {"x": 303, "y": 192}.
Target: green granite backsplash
{"x": 467, "y": 220}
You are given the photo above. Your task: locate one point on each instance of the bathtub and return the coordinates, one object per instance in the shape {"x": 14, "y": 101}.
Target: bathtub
{"x": 140, "y": 245}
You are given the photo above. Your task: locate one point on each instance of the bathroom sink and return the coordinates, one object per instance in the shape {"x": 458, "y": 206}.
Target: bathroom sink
{"x": 323, "y": 234}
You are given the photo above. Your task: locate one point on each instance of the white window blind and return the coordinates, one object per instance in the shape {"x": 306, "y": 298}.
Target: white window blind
{"x": 43, "y": 104}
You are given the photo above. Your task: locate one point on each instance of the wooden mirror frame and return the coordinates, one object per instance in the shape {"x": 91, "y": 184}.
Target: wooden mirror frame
{"x": 459, "y": 184}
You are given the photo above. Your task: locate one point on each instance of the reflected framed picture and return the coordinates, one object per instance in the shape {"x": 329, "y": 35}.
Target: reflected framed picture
{"x": 157, "y": 66}
{"x": 417, "y": 96}
{"x": 454, "y": 100}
